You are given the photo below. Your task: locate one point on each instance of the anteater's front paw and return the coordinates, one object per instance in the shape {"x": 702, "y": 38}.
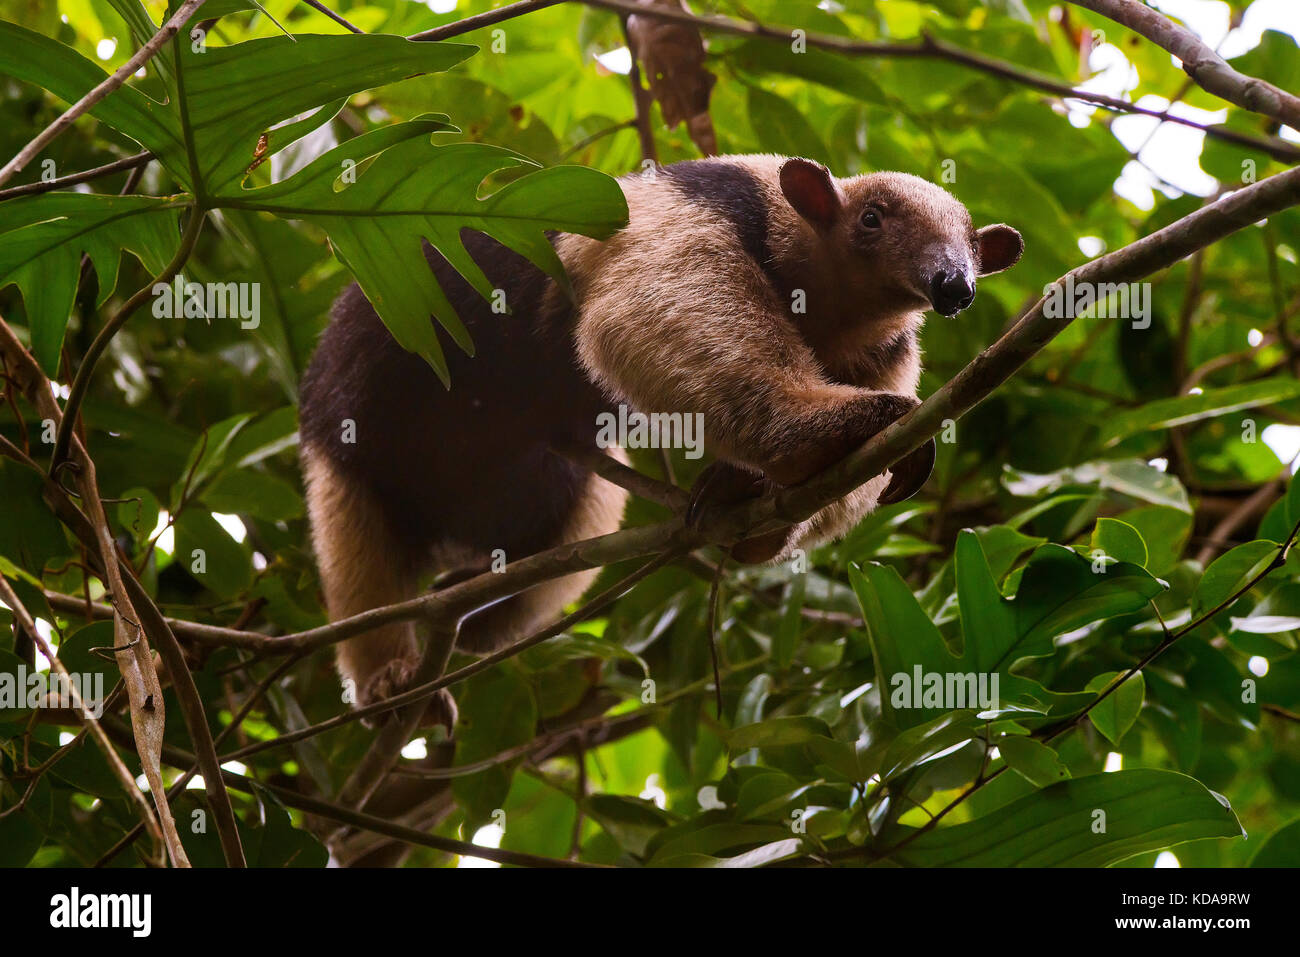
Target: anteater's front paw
{"x": 892, "y": 406}
{"x": 722, "y": 484}
{"x": 396, "y": 677}
{"x": 719, "y": 485}
{"x": 911, "y": 472}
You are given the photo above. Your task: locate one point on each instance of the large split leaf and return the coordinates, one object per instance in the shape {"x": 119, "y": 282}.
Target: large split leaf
{"x": 33, "y": 58}
{"x": 378, "y": 222}
{"x": 231, "y": 95}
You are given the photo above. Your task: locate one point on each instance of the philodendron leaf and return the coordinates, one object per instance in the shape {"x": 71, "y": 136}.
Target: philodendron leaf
{"x": 378, "y": 214}
{"x": 1058, "y": 593}
{"x": 221, "y": 100}
{"x": 232, "y": 95}
{"x": 42, "y": 239}
{"x": 1092, "y": 821}
{"x": 40, "y": 60}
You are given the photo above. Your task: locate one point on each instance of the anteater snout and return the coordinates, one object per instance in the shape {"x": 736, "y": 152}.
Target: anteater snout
{"x": 951, "y": 291}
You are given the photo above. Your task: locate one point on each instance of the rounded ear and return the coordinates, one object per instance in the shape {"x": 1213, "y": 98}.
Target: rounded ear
{"x": 810, "y": 189}
{"x": 1000, "y": 247}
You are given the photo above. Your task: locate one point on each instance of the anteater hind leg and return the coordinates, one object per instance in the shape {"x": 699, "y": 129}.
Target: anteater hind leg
{"x": 363, "y": 566}
{"x": 598, "y": 511}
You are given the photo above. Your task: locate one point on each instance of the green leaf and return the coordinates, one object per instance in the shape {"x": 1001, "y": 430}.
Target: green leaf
{"x": 817, "y": 66}
{"x": 1093, "y": 821}
{"x": 1130, "y": 477}
{"x": 1231, "y": 572}
{"x": 1058, "y": 593}
{"x": 20, "y": 838}
{"x": 715, "y": 838}
{"x": 42, "y": 239}
{"x": 234, "y": 94}
{"x": 1116, "y": 714}
{"x": 630, "y": 821}
{"x": 257, "y": 494}
{"x": 1164, "y": 534}
{"x": 37, "y": 59}
{"x": 786, "y": 638}
{"x": 1185, "y": 409}
{"x": 1120, "y": 541}
{"x": 776, "y": 120}
{"x": 767, "y": 854}
{"x": 214, "y": 559}
{"x": 1038, "y": 764}
{"x": 380, "y": 220}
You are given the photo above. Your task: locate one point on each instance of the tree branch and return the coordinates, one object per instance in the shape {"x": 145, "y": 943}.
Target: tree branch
{"x": 1210, "y": 71}
{"x": 134, "y": 161}
{"x": 480, "y": 20}
{"x": 932, "y": 48}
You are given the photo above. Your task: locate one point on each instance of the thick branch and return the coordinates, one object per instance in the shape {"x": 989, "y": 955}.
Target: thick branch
{"x": 1210, "y": 71}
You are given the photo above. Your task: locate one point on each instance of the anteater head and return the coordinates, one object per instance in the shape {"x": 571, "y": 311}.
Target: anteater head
{"x": 899, "y": 242}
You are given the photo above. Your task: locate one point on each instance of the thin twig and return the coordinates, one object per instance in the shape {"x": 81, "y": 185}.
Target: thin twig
{"x": 133, "y": 162}
{"x": 478, "y": 21}
{"x": 316, "y": 4}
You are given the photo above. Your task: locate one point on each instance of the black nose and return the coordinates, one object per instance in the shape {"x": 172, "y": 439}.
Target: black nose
{"x": 951, "y": 292}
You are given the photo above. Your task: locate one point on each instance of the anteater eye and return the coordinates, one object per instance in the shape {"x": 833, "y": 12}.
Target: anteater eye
{"x": 871, "y": 218}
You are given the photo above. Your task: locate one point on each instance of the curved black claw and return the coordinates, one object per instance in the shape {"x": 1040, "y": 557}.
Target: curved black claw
{"x": 909, "y": 474}
{"x": 441, "y": 710}
{"x": 722, "y": 483}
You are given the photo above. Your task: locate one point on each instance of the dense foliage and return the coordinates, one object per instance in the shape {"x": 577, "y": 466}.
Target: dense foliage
{"x": 1104, "y": 535}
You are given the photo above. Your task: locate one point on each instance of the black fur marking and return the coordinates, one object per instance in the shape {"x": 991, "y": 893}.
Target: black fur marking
{"x": 876, "y": 362}
{"x": 888, "y": 355}
{"x": 736, "y": 194}
{"x": 468, "y": 466}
